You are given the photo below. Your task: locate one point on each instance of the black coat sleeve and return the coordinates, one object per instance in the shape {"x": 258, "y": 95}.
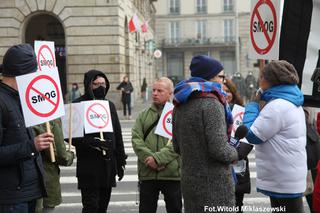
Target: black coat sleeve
{"x": 12, "y": 154}
{"x": 120, "y": 86}
{"x": 120, "y": 153}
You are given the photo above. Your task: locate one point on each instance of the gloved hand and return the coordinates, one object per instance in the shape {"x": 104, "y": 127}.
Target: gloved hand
{"x": 96, "y": 144}
{"x": 104, "y": 146}
{"x": 120, "y": 172}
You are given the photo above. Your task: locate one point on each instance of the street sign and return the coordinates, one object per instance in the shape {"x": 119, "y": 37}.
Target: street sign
{"x": 45, "y": 55}
{"x": 40, "y": 96}
{"x": 237, "y": 113}
{"x": 97, "y": 117}
{"x": 265, "y": 28}
{"x": 157, "y": 53}
{"x": 77, "y": 120}
{"x": 164, "y": 126}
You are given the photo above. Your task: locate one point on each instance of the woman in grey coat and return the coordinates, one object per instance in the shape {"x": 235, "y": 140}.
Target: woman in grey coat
{"x": 201, "y": 120}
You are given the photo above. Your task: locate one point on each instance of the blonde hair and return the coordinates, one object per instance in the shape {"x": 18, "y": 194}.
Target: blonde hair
{"x": 167, "y": 81}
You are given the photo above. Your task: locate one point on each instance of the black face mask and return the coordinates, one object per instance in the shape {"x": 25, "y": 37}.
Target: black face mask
{"x": 100, "y": 92}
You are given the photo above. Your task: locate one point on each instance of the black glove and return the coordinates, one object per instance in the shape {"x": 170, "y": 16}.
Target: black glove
{"x": 96, "y": 144}
{"x": 103, "y": 146}
{"x": 120, "y": 172}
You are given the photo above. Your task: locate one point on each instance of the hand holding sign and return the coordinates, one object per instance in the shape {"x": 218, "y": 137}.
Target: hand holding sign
{"x": 43, "y": 141}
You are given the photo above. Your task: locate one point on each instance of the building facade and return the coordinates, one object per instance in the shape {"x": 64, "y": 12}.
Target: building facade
{"x": 219, "y": 28}
{"x": 88, "y": 34}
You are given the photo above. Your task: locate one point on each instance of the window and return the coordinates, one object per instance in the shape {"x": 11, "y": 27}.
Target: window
{"x": 201, "y": 6}
{"x": 228, "y": 30}
{"x": 228, "y": 5}
{"x": 228, "y": 60}
{"x": 201, "y": 30}
{"x": 174, "y": 31}
{"x": 175, "y": 64}
{"x": 174, "y": 6}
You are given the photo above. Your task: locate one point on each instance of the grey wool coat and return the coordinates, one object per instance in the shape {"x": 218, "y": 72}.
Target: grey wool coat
{"x": 200, "y": 137}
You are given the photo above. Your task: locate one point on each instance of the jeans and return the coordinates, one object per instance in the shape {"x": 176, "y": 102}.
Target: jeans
{"x": 27, "y": 207}
{"x": 149, "y": 194}
{"x": 95, "y": 200}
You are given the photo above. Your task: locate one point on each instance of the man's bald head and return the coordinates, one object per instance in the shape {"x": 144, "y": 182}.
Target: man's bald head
{"x": 162, "y": 91}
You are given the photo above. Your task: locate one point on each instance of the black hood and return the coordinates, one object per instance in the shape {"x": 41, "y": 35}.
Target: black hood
{"x": 89, "y": 77}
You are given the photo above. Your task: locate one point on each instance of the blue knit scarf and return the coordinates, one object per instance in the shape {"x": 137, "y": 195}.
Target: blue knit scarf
{"x": 185, "y": 88}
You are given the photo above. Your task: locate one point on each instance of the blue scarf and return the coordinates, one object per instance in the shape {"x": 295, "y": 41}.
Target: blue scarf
{"x": 287, "y": 92}
{"x": 185, "y": 88}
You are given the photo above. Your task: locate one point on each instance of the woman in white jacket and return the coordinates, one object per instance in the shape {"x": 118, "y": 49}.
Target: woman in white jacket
{"x": 277, "y": 128}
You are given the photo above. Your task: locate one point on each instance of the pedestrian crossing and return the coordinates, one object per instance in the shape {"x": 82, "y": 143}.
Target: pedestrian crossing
{"x": 124, "y": 197}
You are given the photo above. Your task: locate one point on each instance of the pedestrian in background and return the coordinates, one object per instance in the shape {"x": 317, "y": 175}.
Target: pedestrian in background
{"x": 158, "y": 164}
{"x": 243, "y": 178}
{"x": 202, "y": 122}
{"x": 73, "y": 94}
{"x": 99, "y": 161}
{"x": 126, "y": 89}
{"x": 21, "y": 169}
{"x": 51, "y": 169}
{"x": 277, "y": 127}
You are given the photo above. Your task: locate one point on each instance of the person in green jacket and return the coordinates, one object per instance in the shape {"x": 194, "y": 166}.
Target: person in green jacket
{"x": 52, "y": 171}
{"x": 158, "y": 164}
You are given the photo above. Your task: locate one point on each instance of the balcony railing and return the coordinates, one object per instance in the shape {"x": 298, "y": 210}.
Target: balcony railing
{"x": 190, "y": 42}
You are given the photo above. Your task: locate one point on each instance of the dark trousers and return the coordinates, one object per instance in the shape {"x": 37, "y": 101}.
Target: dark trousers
{"x": 125, "y": 105}
{"x": 95, "y": 200}
{"x": 149, "y": 194}
{"x": 27, "y": 207}
{"x": 291, "y": 205}
{"x": 309, "y": 201}
{"x": 239, "y": 201}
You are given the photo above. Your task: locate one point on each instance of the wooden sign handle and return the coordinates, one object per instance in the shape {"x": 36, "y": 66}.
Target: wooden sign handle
{"x": 70, "y": 126}
{"x": 53, "y": 158}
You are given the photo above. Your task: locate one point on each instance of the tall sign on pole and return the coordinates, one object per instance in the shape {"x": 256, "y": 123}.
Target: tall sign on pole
{"x": 265, "y": 25}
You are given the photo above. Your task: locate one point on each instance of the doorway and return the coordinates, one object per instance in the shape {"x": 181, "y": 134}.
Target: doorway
{"x": 49, "y": 28}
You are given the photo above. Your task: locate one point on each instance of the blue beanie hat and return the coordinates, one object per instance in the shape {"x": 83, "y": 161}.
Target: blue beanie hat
{"x": 205, "y": 67}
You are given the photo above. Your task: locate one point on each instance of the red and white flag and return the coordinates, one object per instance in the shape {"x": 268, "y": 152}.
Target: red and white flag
{"x": 144, "y": 26}
{"x": 134, "y": 25}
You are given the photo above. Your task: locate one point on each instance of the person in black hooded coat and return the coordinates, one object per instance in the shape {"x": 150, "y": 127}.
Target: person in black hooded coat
{"x": 97, "y": 166}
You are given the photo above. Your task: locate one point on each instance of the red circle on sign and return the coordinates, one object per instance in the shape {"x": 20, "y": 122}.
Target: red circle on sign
{"x": 164, "y": 122}
{"x": 255, "y": 12}
{"x": 40, "y": 54}
{"x": 240, "y": 114}
{"x": 92, "y": 124}
{"x": 56, "y": 105}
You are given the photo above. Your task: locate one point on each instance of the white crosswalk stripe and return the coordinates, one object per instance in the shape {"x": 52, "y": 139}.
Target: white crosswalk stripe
{"x": 124, "y": 196}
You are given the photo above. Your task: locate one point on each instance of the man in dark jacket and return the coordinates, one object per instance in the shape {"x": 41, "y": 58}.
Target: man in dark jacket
{"x": 96, "y": 170}
{"x": 21, "y": 170}
{"x": 126, "y": 89}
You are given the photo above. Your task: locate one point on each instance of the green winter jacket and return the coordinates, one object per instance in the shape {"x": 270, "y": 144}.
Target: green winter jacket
{"x": 52, "y": 171}
{"x": 156, "y": 146}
